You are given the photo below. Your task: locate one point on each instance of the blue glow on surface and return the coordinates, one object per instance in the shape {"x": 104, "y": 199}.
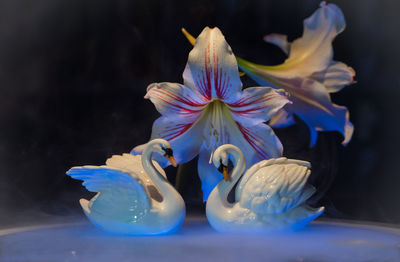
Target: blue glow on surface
{"x": 126, "y": 230}
{"x": 196, "y": 241}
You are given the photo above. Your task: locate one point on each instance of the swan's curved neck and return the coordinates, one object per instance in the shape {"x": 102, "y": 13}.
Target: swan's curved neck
{"x": 166, "y": 190}
{"x": 219, "y": 196}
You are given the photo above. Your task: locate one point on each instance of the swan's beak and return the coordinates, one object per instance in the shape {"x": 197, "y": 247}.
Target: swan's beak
{"x": 171, "y": 159}
{"x": 225, "y": 173}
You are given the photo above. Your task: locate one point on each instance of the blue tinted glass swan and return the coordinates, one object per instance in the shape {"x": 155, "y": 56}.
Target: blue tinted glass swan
{"x": 270, "y": 196}
{"x": 134, "y": 197}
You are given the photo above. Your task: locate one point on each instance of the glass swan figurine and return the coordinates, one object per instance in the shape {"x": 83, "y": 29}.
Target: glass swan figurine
{"x": 270, "y": 196}
{"x": 134, "y": 196}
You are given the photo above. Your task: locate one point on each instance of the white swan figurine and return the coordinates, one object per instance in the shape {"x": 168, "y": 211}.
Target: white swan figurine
{"x": 134, "y": 197}
{"x": 270, "y": 196}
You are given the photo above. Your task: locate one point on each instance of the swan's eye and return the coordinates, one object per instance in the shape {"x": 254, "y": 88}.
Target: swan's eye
{"x": 168, "y": 151}
{"x": 169, "y": 155}
{"x": 221, "y": 166}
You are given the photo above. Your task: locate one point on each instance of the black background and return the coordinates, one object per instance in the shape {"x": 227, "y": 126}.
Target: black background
{"x": 73, "y": 75}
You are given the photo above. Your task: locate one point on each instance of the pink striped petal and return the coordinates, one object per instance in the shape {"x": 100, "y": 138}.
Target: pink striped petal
{"x": 212, "y": 69}
{"x": 171, "y": 99}
{"x": 182, "y": 136}
{"x": 256, "y": 105}
{"x": 258, "y": 142}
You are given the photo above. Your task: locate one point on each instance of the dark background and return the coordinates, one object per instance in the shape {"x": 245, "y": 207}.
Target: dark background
{"x": 73, "y": 74}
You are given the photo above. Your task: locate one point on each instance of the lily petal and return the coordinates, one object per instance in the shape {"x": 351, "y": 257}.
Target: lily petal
{"x": 313, "y": 51}
{"x": 278, "y": 40}
{"x": 192, "y": 40}
{"x": 210, "y": 109}
{"x": 282, "y": 119}
{"x": 309, "y": 74}
{"x": 257, "y": 143}
{"x": 256, "y": 105}
{"x": 179, "y": 134}
{"x": 312, "y": 104}
{"x": 335, "y": 77}
{"x": 172, "y": 99}
{"x": 348, "y": 130}
{"x": 212, "y": 69}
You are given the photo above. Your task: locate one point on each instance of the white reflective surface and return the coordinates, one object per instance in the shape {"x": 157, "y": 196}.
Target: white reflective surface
{"x": 196, "y": 241}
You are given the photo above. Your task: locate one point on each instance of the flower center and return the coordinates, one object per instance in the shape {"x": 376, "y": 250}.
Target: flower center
{"x": 217, "y": 118}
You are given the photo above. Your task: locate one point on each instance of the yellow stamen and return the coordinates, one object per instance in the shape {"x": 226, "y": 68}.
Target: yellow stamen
{"x": 189, "y": 37}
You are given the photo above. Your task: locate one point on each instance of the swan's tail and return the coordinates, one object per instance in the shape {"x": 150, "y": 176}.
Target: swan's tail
{"x": 315, "y": 212}
{"x": 305, "y": 215}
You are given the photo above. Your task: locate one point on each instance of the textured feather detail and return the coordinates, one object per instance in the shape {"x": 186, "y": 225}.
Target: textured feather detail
{"x": 123, "y": 197}
{"x": 275, "y": 186}
{"x": 126, "y": 161}
{"x": 297, "y": 177}
{"x": 133, "y": 164}
{"x": 307, "y": 192}
{"x": 101, "y": 178}
{"x": 243, "y": 181}
{"x": 273, "y": 161}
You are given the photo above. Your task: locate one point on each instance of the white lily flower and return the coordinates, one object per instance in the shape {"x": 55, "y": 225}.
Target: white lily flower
{"x": 309, "y": 74}
{"x": 211, "y": 109}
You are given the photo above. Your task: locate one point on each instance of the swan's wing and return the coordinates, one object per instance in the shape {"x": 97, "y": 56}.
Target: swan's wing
{"x": 120, "y": 191}
{"x": 243, "y": 181}
{"x": 276, "y": 188}
{"x": 252, "y": 170}
{"x": 133, "y": 164}
{"x": 297, "y": 190}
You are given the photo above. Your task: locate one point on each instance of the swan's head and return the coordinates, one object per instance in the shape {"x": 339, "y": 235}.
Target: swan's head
{"x": 162, "y": 147}
{"x": 220, "y": 161}
{"x": 168, "y": 154}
